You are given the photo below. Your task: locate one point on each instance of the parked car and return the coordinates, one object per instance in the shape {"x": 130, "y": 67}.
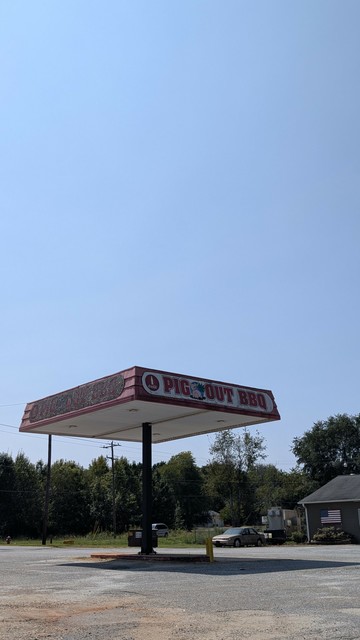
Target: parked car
{"x": 162, "y": 530}
{"x": 239, "y": 537}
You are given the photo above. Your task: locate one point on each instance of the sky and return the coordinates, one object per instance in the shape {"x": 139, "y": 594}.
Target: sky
{"x": 179, "y": 190}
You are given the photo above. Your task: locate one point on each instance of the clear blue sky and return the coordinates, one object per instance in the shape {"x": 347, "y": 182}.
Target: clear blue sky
{"x": 179, "y": 189}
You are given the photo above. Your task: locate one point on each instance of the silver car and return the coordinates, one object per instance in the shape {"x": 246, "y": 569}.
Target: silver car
{"x": 239, "y": 537}
{"x": 162, "y": 530}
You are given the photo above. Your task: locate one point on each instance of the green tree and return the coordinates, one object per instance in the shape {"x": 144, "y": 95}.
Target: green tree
{"x": 99, "y": 483}
{"x": 128, "y": 493}
{"x": 179, "y": 522}
{"x": 7, "y": 495}
{"x": 163, "y": 506}
{"x": 185, "y": 480}
{"x": 295, "y": 486}
{"x": 267, "y": 481}
{"x": 215, "y": 484}
{"x": 274, "y": 487}
{"x": 29, "y": 498}
{"x": 330, "y": 448}
{"x": 233, "y": 457}
{"x": 69, "y": 511}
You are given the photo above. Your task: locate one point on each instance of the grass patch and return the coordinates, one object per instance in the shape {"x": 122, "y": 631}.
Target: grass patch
{"x": 179, "y": 539}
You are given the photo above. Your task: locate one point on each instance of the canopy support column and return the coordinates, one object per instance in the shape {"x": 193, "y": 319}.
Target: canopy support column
{"x": 146, "y": 541}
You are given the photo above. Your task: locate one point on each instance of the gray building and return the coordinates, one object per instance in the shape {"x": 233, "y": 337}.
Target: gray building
{"x": 336, "y": 504}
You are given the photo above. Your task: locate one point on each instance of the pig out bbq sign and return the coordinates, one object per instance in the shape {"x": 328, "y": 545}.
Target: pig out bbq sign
{"x": 148, "y": 406}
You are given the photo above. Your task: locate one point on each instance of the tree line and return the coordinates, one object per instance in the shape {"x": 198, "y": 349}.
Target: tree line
{"x": 236, "y": 482}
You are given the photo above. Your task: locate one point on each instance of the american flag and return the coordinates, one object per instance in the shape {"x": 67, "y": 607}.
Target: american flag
{"x": 330, "y": 516}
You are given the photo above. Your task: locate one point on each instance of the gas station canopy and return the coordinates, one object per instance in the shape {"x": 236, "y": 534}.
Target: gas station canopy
{"x": 177, "y": 406}
{"x": 148, "y": 406}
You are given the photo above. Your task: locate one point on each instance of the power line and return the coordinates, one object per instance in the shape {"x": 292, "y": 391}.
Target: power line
{"x": 15, "y": 404}
{"x": 87, "y": 442}
{"x": 83, "y": 441}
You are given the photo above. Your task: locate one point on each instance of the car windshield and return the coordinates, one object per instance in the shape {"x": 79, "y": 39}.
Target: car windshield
{"x": 232, "y": 532}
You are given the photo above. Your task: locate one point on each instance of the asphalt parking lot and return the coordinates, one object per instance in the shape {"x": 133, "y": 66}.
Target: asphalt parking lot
{"x": 262, "y": 593}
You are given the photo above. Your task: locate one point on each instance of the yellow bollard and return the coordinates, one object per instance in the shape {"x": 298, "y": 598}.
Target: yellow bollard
{"x": 209, "y": 549}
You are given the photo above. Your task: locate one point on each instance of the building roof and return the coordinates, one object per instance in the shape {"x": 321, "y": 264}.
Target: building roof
{"x": 339, "y": 489}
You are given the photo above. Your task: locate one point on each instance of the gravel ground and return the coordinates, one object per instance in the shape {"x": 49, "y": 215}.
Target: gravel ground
{"x": 266, "y": 593}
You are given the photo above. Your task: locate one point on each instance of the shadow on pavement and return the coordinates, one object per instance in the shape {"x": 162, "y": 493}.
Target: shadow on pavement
{"x": 223, "y": 566}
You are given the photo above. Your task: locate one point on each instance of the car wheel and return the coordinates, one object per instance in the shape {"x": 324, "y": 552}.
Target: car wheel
{"x": 259, "y": 542}
{"x": 166, "y": 535}
{"x": 237, "y": 542}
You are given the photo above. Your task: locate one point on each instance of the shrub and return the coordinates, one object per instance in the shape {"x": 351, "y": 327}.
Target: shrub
{"x": 332, "y": 534}
{"x": 298, "y": 537}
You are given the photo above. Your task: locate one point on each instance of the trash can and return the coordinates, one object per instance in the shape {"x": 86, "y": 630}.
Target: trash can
{"x": 135, "y": 538}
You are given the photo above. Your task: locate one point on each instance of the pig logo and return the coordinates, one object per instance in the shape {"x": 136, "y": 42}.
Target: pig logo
{"x": 197, "y": 391}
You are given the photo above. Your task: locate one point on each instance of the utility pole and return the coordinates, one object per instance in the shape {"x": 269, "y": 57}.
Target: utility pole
{"x": 111, "y": 446}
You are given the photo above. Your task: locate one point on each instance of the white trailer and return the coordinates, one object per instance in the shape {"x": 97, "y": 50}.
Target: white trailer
{"x": 280, "y": 523}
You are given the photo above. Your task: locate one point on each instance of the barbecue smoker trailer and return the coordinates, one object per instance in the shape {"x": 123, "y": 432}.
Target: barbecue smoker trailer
{"x": 280, "y": 523}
